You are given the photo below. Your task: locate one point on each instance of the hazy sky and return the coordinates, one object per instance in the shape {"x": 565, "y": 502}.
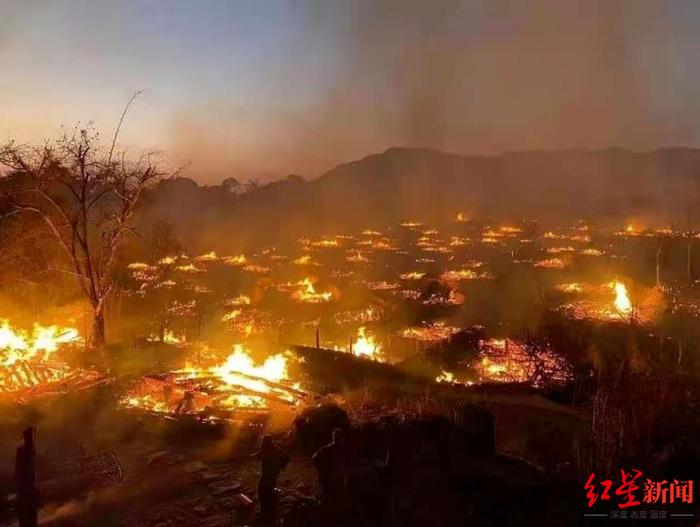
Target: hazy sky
{"x": 266, "y": 88}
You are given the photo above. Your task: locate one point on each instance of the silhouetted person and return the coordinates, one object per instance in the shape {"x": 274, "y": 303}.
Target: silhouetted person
{"x": 273, "y": 461}
{"x": 331, "y": 462}
{"x": 25, "y": 480}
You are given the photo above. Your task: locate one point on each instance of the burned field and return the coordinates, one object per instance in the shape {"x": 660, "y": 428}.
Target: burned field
{"x": 479, "y": 372}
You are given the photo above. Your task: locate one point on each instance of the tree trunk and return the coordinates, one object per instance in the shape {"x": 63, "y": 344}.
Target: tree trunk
{"x": 97, "y": 332}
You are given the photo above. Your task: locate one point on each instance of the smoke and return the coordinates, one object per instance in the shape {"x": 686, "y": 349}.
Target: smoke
{"x": 472, "y": 77}
{"x": 95, "y": 499}
{"x": 494, "y": 76}
{"x": 263, "y": 90}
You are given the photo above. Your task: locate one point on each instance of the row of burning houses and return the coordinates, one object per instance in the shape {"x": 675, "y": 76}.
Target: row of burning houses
{"x": 429, "y": 274}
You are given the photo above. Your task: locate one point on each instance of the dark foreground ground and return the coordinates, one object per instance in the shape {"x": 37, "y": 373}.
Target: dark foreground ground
{"x": 101, "y": 466}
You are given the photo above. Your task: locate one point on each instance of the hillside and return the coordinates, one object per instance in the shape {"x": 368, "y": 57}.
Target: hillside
{"x": 612, "y": 185}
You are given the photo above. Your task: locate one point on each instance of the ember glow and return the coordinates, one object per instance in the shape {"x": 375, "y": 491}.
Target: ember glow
{"x": 447, "y": 377}
{"x": 469, "y": 273}
{"x": 307, "y": 293}
{"x": 552, "y": 263}
{"x": 573, "y": 287}
{"x": 413, "y": 275}
{"x": 430, "y": 332}
{"x": 217, "y": 392}
{"x": 505, "y": 360}
{"x": 240, "y": 300}
{"x": 607, "y": 302}
{"x": 169, "y": 337}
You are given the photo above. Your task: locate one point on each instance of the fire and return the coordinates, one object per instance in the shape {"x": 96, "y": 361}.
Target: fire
{"x": 236, "y": 260}
{"x": 304, "y": 260}
{"x": 249, "y": 321}
{"x": 508, "y": 229}
{"x": 369, "y": 314}
{"x": 366, "y": 346}
{"x": 602, "y": 307}
{"x": 454, "y": 298}
{"x": 28, "y": 359}
{"x": 456, "y": 275}
{"x": 382, "y": 286}
{"x": 505, "y": 360}
{"x": 169, "y": 337}
{"x": 357, "y": 257}
{"x": 240, "y": 370}
{"x": 16, "y": 345}
{"x": 326, "y": 243}
{"x": 307, "y": 293}
{"x": 138, "y": 266}
{"x": 231, "y": 315}
{"x": 552, "y": 263}
{"x": 490, "y": 233}
{"x": 238, "y": 383}
{"x": 622, "y": 299}
{"x": 553, "y": 236}
{"x": 208, "y": 257}
{"x": 240, "y": 300}
{"x": 413, "y": 275}
{"x": 188, "y": 268}
{"x": 430, "y": 332}
{"x": 445, "y": 376}
{"x": 383, "y": 244}
{"x": 255, "y": 268}
{"x": 580, "y": 238}
{"x": 572, "y": 287}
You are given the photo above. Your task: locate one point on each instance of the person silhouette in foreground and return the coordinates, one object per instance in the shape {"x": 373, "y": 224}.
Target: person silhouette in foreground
{"x": 331, "y": 462}
{"x": 273, "y": 461}
{"x": 25, "y": 480}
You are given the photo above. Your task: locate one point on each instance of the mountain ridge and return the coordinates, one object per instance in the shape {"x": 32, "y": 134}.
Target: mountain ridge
{"x": 407, "y": 183}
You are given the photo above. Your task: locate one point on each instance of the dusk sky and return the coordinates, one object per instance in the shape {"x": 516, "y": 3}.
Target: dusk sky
{"x": 265, "y": 88}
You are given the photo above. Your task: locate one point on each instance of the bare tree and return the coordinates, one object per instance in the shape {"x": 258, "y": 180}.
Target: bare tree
{"x": 87, "y": 197}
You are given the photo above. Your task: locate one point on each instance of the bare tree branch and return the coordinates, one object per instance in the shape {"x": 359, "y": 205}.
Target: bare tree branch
{"x": 119, "y": 125}
{"x": 86, "y": 199}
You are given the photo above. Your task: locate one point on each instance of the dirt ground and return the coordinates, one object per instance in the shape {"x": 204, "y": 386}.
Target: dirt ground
{"x": 102, "y": 466}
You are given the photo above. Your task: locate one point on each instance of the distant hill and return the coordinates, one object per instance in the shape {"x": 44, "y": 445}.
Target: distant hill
{"x": 612, "y": 185}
